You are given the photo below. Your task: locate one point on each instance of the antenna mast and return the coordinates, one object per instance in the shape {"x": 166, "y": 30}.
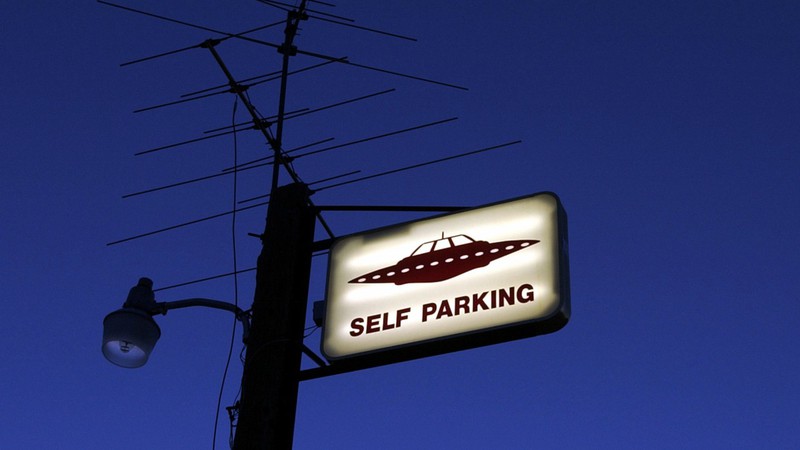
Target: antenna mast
{"x": 287, "y": 49}
{"x": 270, "y": 380}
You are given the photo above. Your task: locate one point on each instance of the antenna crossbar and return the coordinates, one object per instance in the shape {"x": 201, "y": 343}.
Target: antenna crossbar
{"x": 288, "y": 7}
{"x": 402, "y": 169}
{"x": 185, "y": 224}
{"x": 416, "y": 166}
{"x": 345, "y": 144}
{"x": 191, "y": 47}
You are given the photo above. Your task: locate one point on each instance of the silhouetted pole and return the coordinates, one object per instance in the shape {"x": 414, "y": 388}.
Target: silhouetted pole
{"x": 272, "y": 364}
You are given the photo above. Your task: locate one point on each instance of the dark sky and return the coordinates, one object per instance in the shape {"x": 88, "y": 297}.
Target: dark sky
{"x": 668, "y": 129}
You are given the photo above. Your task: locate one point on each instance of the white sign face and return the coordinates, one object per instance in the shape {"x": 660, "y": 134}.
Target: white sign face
{"x": 462, "y": 273}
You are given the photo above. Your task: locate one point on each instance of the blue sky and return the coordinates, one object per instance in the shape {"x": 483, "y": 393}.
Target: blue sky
{"x": 668, "y": 130}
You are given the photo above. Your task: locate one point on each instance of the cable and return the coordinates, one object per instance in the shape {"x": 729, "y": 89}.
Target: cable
{"x": 235, "y": 284}
{"x": 309, "y": 333}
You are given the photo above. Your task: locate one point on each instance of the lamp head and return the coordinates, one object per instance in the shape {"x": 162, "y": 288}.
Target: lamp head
{"x": 130, "y": 333}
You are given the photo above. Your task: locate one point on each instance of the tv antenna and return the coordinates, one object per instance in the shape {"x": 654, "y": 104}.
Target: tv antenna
{"x": 272, "y": 127}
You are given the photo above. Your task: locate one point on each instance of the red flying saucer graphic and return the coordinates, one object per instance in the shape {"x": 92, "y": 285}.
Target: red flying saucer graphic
{"x": 443, "y": 259}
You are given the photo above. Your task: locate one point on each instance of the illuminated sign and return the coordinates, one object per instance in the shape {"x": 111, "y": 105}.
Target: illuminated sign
{"x": 455, "y": 281}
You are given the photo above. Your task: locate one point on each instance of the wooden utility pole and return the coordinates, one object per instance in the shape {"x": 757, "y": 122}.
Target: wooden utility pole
{"x": 271, "y": 373}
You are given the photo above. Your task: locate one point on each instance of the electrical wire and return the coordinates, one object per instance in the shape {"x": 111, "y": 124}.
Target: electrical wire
{"x": 309, "y": 333}
{"x": 235, "y": 285}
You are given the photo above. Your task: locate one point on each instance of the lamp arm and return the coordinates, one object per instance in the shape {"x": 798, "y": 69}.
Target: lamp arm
{"x": 241, "y": 315}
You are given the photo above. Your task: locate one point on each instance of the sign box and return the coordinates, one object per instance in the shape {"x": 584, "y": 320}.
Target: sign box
{"x": 450, "y": 282}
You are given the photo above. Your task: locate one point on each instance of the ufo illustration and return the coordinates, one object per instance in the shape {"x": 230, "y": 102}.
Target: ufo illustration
{"x": 442, "y": 259}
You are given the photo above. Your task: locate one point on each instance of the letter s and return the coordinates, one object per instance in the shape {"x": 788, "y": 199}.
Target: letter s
{"x": 357, "y": 326}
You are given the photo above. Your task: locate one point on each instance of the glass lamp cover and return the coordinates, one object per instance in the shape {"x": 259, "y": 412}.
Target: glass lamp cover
{"x": 129, "y": 336}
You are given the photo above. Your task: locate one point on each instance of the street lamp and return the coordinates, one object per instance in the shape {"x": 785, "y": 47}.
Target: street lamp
{"x": 130, "y": 333}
